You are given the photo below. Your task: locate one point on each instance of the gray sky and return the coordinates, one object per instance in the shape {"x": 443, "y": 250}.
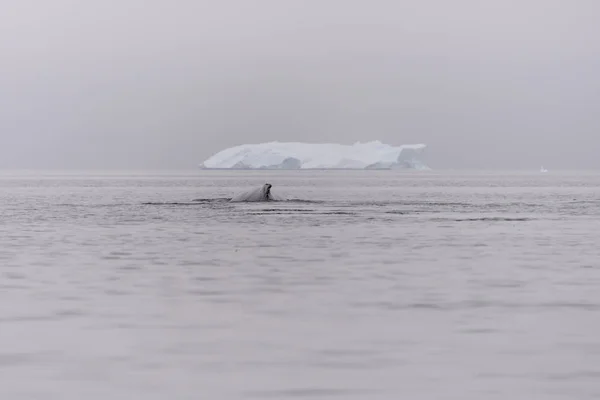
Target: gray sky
{"x": 165, "y": 84}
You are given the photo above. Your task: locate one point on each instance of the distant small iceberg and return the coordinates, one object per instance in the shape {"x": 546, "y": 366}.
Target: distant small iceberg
{"x": 542, "y": 169}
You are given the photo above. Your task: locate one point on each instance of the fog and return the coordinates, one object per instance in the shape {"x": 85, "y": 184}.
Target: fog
{"x": 164, "y": 84}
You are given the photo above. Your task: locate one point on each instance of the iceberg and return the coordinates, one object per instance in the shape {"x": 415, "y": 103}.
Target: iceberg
{"x": 292, "y": 155}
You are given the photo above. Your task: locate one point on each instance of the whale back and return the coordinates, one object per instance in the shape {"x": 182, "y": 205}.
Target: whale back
{"x": 262, "y": 193}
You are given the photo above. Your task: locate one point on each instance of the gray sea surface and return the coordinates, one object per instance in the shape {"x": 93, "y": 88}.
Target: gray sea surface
{"x": 365, "y": 285}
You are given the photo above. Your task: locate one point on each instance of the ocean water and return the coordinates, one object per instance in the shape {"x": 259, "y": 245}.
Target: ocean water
{"x": 367, "y": 285}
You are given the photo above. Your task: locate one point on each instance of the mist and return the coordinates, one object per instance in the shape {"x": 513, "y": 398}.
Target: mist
{"x": 152, "y": 84}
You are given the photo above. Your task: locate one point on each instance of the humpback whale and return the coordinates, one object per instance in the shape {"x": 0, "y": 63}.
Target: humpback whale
{"x": 262, "y": 193}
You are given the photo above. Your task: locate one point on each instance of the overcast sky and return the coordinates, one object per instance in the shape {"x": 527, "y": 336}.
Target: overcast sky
{"x": 165, "y": 84}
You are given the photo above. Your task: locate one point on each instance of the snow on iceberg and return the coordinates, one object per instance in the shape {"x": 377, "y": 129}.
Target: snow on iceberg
{"x": 278, "y": 155}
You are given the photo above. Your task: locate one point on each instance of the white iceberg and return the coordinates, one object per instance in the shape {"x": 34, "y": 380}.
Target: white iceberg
{"x": 278, "y": 155}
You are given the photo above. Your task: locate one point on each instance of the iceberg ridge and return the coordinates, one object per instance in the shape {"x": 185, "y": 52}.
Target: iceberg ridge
{"x": 294, "y": 155}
